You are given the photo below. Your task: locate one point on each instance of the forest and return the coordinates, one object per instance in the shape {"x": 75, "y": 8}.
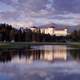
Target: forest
{"x": 10, "y": 34}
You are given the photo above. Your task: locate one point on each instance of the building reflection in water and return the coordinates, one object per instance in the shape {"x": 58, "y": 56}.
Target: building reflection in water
{"x": 60, "y": 52}
{"x": 52, "y": 53}
{"x": 41, "y": 53}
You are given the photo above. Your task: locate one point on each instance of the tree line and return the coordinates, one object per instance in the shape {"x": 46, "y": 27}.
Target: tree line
{"x": 74, "y": 36}
{"x": 11, "y": 34}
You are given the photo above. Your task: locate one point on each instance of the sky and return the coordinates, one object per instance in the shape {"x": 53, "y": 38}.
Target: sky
{"x": 39, "y": 12}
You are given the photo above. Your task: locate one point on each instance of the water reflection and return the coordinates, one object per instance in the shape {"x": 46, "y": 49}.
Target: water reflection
{"x": 56, "y": 53}
{"x": 40, "y": 53}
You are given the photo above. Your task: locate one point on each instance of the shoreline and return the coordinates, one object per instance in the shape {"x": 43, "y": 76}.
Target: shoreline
{"x": 28, "y": 44}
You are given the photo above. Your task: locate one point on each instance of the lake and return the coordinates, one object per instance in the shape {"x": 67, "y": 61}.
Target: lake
{"x": 40, "y": 62}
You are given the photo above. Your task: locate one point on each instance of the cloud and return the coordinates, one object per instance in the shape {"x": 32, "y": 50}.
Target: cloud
{"x": 40, "y": 11}
{"x": 49, "y": 4}
{"x": 4, "y": 7}
{"x": 67, "y": 5}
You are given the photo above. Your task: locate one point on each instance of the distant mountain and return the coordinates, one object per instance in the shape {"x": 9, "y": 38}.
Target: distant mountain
{"x": 48, "y": 25}
{"x": 60, "y": 26}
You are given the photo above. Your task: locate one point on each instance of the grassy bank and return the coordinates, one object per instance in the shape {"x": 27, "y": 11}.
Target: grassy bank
{"x": 28, "y": 44}
{"x": 13, "y": 45}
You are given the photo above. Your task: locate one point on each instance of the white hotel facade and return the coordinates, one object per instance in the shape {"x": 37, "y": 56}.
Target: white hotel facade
{"x": 51, "y": 31}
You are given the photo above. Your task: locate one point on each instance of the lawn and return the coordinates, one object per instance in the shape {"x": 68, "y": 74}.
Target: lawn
{"x": 28, "y": 44}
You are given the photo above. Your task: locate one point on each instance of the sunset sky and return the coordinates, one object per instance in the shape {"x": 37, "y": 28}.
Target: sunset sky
{"x": 38, "y": 12}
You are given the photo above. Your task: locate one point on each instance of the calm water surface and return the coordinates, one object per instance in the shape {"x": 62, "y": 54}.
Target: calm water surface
{"x": 47, "y": 62}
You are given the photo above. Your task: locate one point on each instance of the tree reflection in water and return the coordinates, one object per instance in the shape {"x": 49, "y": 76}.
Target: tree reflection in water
{"x": 60, "y": 53}
{"x": 75, "y": 54}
